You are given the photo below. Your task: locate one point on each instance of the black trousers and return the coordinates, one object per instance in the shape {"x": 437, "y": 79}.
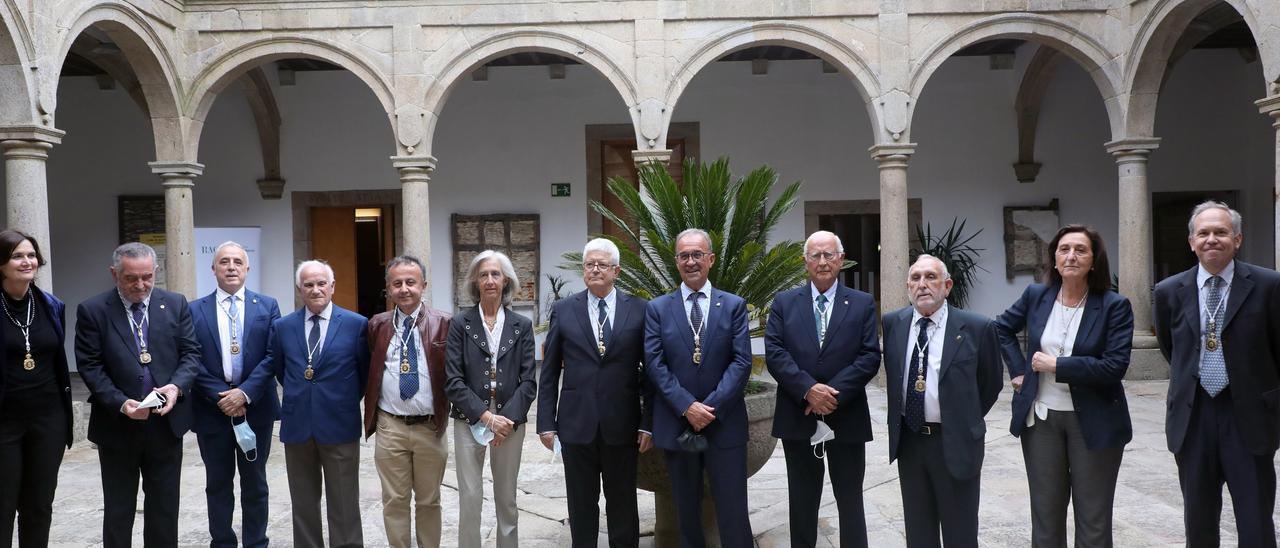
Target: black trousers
{"x": 847, "y": 462}
{"x": 727, "y": 471}
{"x": 33, "y": 438}
{"x": 932, "y": 497}
{"x": 585, "y": 467}
{"x": 149, "y": 450}
{"x": 1213, "y": 453}
{"x": 222, "y": 457}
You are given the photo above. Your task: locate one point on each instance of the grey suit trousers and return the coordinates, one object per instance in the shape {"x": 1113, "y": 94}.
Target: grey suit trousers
{"x": 338, "y": 467}
{"x": 1060, "y": 469}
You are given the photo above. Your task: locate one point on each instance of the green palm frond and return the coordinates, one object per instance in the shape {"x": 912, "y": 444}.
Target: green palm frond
{"x": 954, "y": 248}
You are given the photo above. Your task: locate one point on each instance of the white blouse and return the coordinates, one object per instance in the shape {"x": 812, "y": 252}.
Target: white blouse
{"x": 1058, "y": 339}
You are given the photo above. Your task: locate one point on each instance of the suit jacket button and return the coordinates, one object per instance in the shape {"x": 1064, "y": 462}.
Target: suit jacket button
{"x": 499, "y": 406}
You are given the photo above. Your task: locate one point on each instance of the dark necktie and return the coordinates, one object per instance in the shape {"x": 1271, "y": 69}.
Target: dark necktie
{"x": 313, "y": 340}
{"x": 409, "y": 351}
{"x": 606, "y": 332}
{"x": 695, "y": 317}
{"x": 139, "y": 311}
{"x": 919, "y": 367}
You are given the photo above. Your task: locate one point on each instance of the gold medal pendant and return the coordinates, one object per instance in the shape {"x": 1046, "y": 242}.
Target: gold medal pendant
{"x": 1211, "y": 344}
{"x": 235, "y": 347}
{"x": 28, "y": 363}
{"x": 404, "y": 366}
{"x": 144, "y": 357}
{"x": 309, "y": 373}
{"x": 697, "y": 356}
{"x": 919, "y": 385}
{"x": 600, "y": 347}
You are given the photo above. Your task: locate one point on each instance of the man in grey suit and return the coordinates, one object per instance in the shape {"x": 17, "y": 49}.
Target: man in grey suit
{"x": 1218, "y": 327}
{"x": 942, "y": 375}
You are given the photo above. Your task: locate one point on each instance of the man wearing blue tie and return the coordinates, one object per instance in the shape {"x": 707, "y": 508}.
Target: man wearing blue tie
{"x": 320, "y": 355}
{"x": 233, "y": 326}
{"x": 821, "y": 345}
{"x": 698, "y": 357}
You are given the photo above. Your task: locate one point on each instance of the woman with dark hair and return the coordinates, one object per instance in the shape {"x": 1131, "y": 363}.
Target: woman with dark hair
{"x": 1069, "y": 407}
{"x": 35, "y": 394}
{"x": 489, "y": 378}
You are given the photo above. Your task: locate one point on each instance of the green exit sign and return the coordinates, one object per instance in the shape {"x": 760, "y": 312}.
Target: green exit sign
{"x": 559, "y": 190}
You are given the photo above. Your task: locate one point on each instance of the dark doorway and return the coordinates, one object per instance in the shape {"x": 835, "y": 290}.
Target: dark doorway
{"x": 1169, "y": 213}
{"x": 860, "y": 234}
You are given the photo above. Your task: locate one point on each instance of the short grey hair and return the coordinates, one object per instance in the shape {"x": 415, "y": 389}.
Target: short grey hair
{"x": 132, "y": 250}
{"x": 297, "y": 274}
{"x": 606, "y": 245}
{"x": 698, "y": 231}
{"x": 508, "y": 272}
{"x": 946, "y": 274}
{"x": 404, "y": 260}
{"x": 839, "y": 245}
{"x": 1236, "y": 219}
{"x": 230, "y": 243}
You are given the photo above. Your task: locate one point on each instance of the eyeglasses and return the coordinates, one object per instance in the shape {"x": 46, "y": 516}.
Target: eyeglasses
{"x": 687, "y": 256}
{"x": 819, "y": 256}
{"x": 597, "y": 266}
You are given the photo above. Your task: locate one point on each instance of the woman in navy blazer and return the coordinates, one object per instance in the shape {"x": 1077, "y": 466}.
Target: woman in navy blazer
{"x": 35, "y": 394}
{"x": 1069, "y": 408}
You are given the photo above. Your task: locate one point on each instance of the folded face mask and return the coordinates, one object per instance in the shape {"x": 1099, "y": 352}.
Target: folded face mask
{"x": 481, "y": 432}
{"x": 246, "y": 439}
{"x": 691, "y": 441}
{"x": 821, "y": 435}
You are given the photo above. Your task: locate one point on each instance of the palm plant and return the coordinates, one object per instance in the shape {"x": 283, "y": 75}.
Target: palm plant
{"x": 954, "y": 249}
{"x": 734, "y": 213}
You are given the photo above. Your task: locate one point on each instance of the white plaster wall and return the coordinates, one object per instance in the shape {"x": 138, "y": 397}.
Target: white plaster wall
{"x": 500, "y": 144}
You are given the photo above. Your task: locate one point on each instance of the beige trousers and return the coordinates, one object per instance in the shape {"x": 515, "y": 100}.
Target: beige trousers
{"x": 410, "y": 462}
{"x": 504, "y": 466}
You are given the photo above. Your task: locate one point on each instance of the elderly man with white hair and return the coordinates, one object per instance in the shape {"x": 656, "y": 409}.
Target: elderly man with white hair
{"x": 320, "y": 354}
{"x": 593, "y": 400}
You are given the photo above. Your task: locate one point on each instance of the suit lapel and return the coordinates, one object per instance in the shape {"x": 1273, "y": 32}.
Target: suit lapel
{"x": 810, "y": 321}
{"x": 1189, "y": 294}
{"x": 712, "y": 319}
{"x": 1039, "y": 316}
{"x": 955, "y": 334}
{"x": 330, "y": 334}
{"x": 248, "y": 313}
{"x": 508, "y": 339}
{"x": 117, "y": 315}
{"x": 1241, "y": 285}
{"x": 901, "y": 330}
{"x": 475, "y": 328}
{"x": 682, "y": 323}
{"x": 581, "y": 310}
{"x": 1092, "y": 311}
{"x": 622, "y": 302}
{"x": 839, "y": 309}
{"x": 209, "y": 311}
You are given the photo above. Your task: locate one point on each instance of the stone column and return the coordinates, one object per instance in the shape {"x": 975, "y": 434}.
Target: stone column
{"x": 178, "y": 179}
{"x": 415, "y": 173}
{"x": 1271, "y": 107}
{"x": 26, "y": 151}
{"x": 1134, "y": 247}
{"x": 894, "y": 226}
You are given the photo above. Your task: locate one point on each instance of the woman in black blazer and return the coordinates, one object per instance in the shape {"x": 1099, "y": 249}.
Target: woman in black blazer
{"x": 35, "y": 394}
{"x": 1069, "y": 407}
{"x": 490, "y": 379}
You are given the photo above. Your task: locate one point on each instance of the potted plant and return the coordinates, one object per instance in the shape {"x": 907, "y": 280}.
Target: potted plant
{"x": 737, "y": 216}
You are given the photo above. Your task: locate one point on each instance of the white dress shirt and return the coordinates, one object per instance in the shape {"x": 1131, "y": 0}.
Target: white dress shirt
{"x": 1202, "y": 283}
{"x": 325, "y": 315}
{"x": 703, "y": 303}
{"x": 936, "y": 330}
{"x": 831, "y": 303}
{"x": 593, "y": 309}
{"x": 422, "y": 402}
{"x": 224, "y": 329}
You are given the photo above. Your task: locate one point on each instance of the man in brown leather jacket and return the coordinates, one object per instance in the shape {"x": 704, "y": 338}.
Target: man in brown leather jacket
{"x": 406, "y": 404}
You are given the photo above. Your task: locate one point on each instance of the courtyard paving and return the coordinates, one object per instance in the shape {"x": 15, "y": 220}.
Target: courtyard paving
{"x": 1147, "y": 512}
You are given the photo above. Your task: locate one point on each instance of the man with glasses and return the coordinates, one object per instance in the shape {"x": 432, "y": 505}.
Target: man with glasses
{"x": 821, "y": 347}
{"x": 698, "y": 357}
{"x": 599, "y": 413}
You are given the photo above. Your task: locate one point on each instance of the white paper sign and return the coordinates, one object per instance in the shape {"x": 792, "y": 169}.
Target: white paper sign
{"x": 207, "y": 241}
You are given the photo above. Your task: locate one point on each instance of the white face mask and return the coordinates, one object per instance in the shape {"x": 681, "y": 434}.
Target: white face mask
{"x": 821, "y": 435}
{"x": 555, "y": 448}
{"x": 482, "y": 433}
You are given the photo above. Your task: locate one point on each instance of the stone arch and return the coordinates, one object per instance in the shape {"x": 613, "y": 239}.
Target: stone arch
{"x": 1084, "y": 49}
{"x": 778, "y": 33}
{"x": 149, "y": 58}
{"x": 17, "y": 88}
{"x": 1154, "y": 43}
{"x": 233, "y": 64}
{"x": 469, "y": 56}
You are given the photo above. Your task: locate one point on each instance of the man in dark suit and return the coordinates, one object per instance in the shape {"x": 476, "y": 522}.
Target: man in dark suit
{"x": 822, "y": 347}
{"x": 698, "y": 357}
{"x": 131, "y": 341}
{"x": 596, "y": 341}
{"x": 233, "y": 326}
{"x": 1217, "y": 325}
{"x": 405, "y": 404}
{"x": 320, "y": 354}
{"x": 942, "y": 375}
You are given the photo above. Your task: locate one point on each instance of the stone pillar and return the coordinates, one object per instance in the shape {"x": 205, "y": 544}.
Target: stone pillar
{"x": 894, "y": 227}
{"x": 415, "y": 173}
{"x": 26, "y": 151}
{"x": 179, "y": 224}
{"x": 1134, "y": 247}
{"x": 1271, "y": 107}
